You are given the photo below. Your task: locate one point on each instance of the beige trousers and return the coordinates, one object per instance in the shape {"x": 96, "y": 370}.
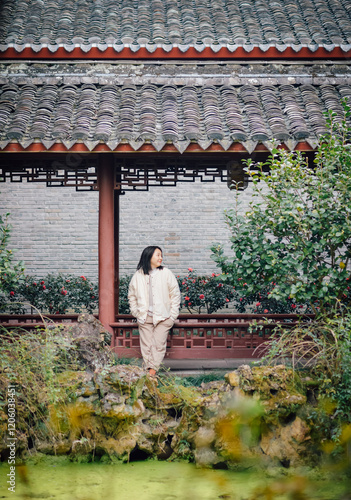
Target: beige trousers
{"x": 153, "y": 341}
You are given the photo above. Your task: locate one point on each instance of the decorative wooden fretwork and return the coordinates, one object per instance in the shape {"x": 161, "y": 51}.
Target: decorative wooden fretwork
{"x": 131, "y": 173}
{"x": 72, "y": 170}
{"x": 140, "y": 175}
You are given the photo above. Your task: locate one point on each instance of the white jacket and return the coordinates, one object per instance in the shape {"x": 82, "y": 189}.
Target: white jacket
{"x": 166, "y": 295}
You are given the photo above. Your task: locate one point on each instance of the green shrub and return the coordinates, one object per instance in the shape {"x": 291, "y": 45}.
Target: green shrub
{"x": 10, "y": 273}
{"x": 296, "y": 234}
{"x": 123, "y": 306}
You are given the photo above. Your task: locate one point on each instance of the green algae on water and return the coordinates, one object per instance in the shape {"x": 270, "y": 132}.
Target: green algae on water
{"x": 60, "y": 480}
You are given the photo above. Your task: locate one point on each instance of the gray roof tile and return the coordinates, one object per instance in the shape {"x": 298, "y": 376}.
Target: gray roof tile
{"x": 167, "y": 24}
{"x": 166, "y": 113}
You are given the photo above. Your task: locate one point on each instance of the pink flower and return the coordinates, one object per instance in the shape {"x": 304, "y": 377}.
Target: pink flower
{"x": 44, "y": 287}
{"x": 201, "y": 296}
{"x": 265, "y": 311}
{"x": 227, "y": 300}
{"x": 213, "y": 275}
{"x": 241, "y": 300}
{"x": 258, "y": 304}
{"x": 34, "y": 284}
{"x": 187, "y": 298}
{"x": 42, "y": 282}
{"x": 293, "y": 306}
{"x": 12, "y": 294}
{"x": 83, "y": 278}
{"x": 190, "y": 269}
{"x": 63, "y": 291}
{"x": 219, "y": 285}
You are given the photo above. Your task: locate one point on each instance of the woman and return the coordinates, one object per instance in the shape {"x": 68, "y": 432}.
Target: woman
{"x": 154, "y": 300}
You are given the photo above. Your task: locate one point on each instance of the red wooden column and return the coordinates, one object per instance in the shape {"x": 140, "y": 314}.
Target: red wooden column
{"x": 106, "y": 241}
{"x": 116, "y": 232}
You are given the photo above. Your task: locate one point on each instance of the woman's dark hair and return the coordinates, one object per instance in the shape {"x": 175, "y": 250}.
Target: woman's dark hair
{"x": 144, "y": 262}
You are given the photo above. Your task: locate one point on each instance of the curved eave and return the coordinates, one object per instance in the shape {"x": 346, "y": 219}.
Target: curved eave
{"x": 79, "y": 147}
{"x": 94, "y": 52}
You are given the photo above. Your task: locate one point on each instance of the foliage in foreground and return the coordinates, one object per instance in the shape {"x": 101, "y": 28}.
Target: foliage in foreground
{"x": 296, "y": 235}
{"x": 32, "y": 361}
{"x": 324, "y": 347}
{"x": 61, "y": 405}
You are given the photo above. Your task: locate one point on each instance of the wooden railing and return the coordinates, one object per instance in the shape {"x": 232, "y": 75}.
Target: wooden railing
{"x": 205, "y": 336}
{"x": 30, "y": 321}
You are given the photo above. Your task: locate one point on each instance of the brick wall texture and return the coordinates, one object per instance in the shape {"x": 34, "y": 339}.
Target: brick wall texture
{"x": 56, "y": 229}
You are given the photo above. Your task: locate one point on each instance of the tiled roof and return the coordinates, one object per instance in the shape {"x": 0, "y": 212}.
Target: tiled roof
{"x": 168, "y": 24}
{"x": 163, "y": 114}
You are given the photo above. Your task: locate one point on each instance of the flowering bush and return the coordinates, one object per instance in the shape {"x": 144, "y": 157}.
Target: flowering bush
{"x": 204, "y": 292}
{"x": 56, "y": 294}
{"x": 210, "y": 293}
{"x": 198, "y": 293}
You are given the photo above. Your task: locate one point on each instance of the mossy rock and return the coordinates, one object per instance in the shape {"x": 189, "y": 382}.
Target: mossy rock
{"x": 121, "y": 378}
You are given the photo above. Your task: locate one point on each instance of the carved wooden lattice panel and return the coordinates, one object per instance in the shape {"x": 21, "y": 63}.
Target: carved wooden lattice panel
{"x": 139, "y": 175}
{"x": 131, "y": 174}
{"x": 72, "y": 170}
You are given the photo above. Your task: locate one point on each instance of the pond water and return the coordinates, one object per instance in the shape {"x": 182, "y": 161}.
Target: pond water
{"x": 156, "y": 480}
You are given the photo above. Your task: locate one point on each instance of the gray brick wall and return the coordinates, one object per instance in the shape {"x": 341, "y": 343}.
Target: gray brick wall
{"x": 56, "y": 229}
